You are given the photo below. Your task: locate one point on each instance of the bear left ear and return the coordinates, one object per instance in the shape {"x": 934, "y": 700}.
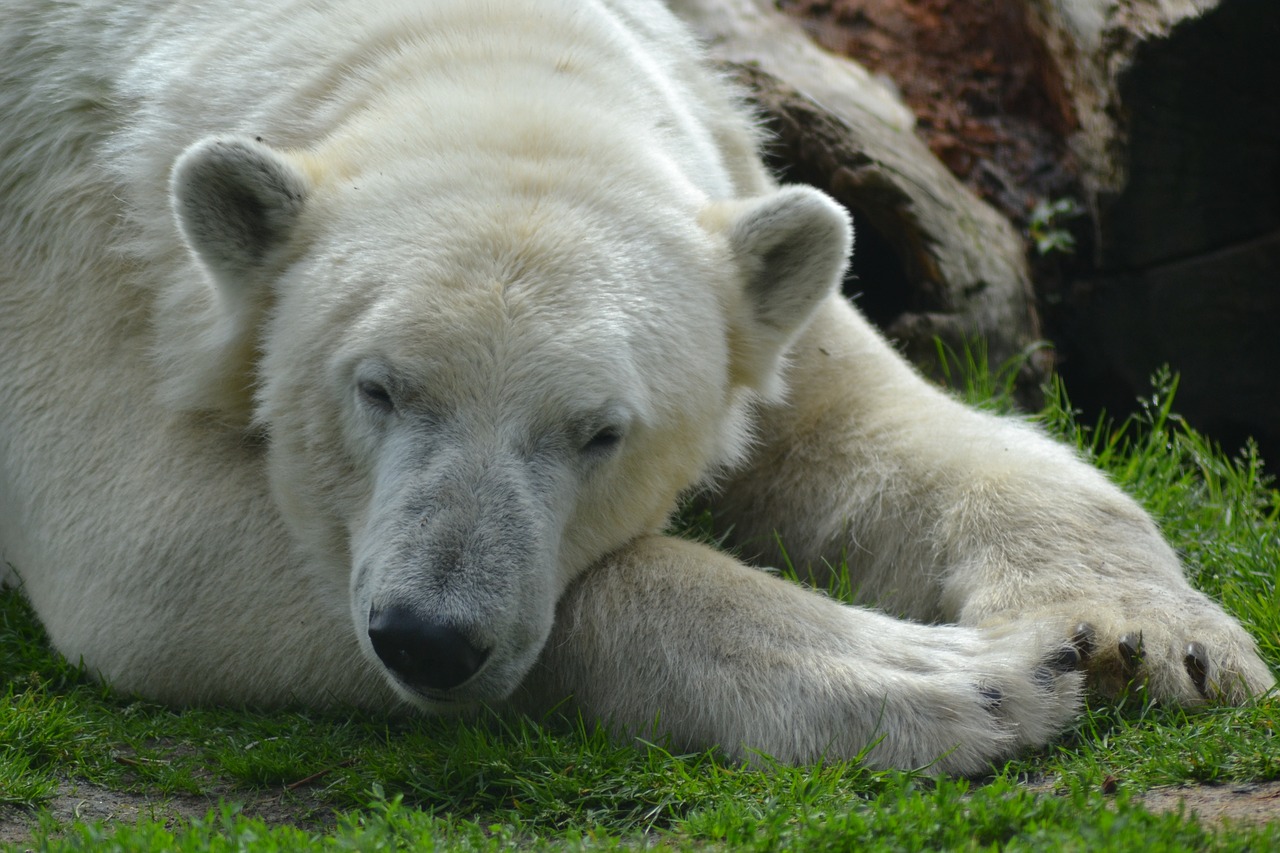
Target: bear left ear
{"x": 791, "y": 248}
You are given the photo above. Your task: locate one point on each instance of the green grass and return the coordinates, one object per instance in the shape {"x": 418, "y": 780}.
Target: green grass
{"x": 367, "y": 783}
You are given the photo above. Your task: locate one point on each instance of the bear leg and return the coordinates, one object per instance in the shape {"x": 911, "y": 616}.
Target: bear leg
{"x": 671, "y": 638}
{"x": 947, "y": 514}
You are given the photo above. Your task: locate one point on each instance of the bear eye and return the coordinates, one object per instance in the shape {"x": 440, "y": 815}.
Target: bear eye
{"x": 375, "y": 395}
{"x": 603, "y": 442}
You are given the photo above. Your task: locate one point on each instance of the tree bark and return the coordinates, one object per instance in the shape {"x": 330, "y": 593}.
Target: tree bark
{"x": 1179, "y": 148}
{"x": 931, "y": 259}
{"x": 1178, "y": 151}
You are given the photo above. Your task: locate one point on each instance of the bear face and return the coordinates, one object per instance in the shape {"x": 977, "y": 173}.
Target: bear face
{"x": 465, "y": 413}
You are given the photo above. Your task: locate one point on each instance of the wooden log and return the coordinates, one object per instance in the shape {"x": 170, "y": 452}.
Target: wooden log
{"x": 1177, "y": 105}
{"x": 1179, "y": 146}
{"x": 931, "y": 258}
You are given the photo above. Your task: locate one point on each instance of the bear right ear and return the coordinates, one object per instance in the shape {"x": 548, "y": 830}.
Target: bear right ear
{"x": 237, "y": 202}
{"x": 791, "y": 249}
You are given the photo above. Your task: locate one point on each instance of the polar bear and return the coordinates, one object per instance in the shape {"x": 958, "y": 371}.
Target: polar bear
{"x": 357, "y": 352}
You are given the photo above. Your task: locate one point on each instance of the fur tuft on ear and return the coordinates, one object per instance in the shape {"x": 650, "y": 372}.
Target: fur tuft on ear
{"x": 791, "y": 249}
{"x": 237, "y": 203}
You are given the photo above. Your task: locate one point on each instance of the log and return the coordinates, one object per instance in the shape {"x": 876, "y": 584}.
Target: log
{"x": 931, "y": 259}
{"x": 1179, "y": 149}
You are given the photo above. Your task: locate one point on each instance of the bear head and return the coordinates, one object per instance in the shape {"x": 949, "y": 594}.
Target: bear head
{"x": 476, "y": 383}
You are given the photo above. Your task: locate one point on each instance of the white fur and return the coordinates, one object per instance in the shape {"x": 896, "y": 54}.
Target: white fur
{"x": 316, "y": 310}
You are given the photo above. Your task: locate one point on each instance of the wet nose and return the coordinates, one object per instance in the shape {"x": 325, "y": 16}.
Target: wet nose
{"x": 422, "y": 652}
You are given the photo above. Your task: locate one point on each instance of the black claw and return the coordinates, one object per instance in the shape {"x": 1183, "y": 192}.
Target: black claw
{"x": 1196, "y": 662}
{"x": 992, "y": 697}
{"x": 1044, "y": 676}
{"x": 1131, "y": 652}
{"x": 1085, "y": 640}
{"x": 1066, "y": 659}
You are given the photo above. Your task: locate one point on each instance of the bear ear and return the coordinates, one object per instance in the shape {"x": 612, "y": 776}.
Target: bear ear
{"x": 237, "y": 204}
{"x": 237, "y": 201}
{"x": 791, "y": 249}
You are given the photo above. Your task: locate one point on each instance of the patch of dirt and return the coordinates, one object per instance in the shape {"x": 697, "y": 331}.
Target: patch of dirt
{"x": 1250, "y": 803}
{"x": 86, "y": 803}
{"x": 1242, "y": 803}
{"x": 989, "y": 101}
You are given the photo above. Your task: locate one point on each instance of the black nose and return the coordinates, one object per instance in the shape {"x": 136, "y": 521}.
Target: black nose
{"x": 421, "y": 652}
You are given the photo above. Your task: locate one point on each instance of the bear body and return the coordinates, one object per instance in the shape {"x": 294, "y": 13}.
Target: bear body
{"x": 358, "y": 352}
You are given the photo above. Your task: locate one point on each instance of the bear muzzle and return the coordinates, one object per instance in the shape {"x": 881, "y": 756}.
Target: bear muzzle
{"x": 426, "y": 655}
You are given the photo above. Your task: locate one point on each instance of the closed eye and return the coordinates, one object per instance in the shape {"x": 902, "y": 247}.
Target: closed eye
{"x": 603, "y": 442}
{"x": 375, "y": 395}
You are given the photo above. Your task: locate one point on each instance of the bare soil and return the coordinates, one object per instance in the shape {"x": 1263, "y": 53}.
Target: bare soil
{"x": 1214, "y": 805}
{"x": 86, "y": 803}
{"x": 1248, "y": 803}
{"x": 1241, "y": 803}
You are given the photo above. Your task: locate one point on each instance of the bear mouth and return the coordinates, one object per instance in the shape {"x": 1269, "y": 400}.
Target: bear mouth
{"x": 441, "y": 702}
{"x": 437, "y": 701}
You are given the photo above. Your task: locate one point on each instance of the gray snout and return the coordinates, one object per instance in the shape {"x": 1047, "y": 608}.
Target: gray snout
{"x": 423, "y": 653}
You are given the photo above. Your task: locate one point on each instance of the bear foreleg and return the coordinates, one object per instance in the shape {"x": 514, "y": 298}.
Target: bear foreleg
{"x": 947, "y": 514}
{"x": 673, "y": 638}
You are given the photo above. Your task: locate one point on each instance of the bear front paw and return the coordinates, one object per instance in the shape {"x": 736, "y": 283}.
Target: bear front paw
{"x": 1173, "y": 646}
{"x": 962, "y": 701}
{"x": 1187, "y": 664}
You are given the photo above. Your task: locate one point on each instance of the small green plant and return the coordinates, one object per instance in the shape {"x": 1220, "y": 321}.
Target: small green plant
{"x": 970, "y": 373}
{"x": 1046, "y": 226}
